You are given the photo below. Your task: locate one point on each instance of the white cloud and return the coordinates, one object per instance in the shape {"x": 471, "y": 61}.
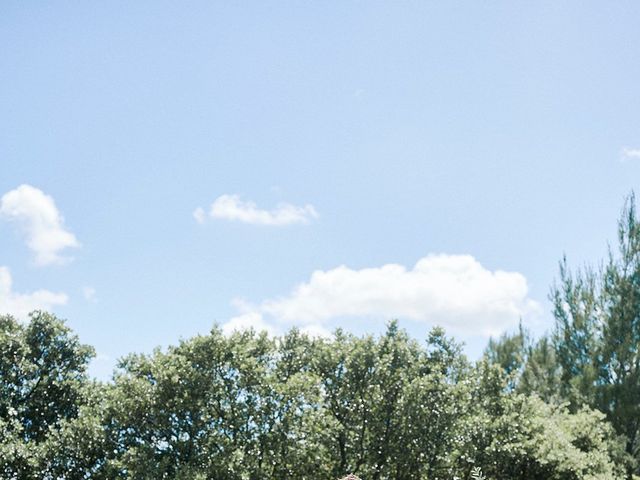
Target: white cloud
{"x": 454, "y": 291}
{"x": 233, "y": 208}
{"x": 630, "y": 153}
{"x": 21, "y": 304}
{"x": 40, "y": 221}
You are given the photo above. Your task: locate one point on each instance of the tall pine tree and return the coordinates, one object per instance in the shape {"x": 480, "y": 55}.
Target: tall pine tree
{"x": 597, "y": 336}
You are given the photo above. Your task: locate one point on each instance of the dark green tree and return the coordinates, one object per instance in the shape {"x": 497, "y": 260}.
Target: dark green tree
{"x": 597, "y": 338}
{"x": 619, "y": 353}
{"x": 510, "y": 352}
{"x": 531, "y": 367}
{"x": 541, "y": 372}
{"x": 45, "y": 395}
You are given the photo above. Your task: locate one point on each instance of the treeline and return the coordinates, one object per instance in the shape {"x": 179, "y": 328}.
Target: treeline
{"x": 253, "y": 407}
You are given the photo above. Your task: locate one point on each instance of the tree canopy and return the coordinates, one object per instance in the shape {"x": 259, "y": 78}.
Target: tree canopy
{"x": 258, "y": 407}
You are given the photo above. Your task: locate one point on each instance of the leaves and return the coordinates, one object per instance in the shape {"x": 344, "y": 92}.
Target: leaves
{"x": 248, "y": 406}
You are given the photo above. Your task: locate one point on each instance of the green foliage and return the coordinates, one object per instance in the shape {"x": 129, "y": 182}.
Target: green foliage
{"x": 392, "y": 405}
{"x": 529, "y": 438}
{"x": 592, "y": 358}
{"x": 530, "y": 367}
{"x": 252, "y": 407}
{"x": 44, "y": 392}
{"x": 541, "y": 373}
{"x": 221, "y": 407}
{"x": 597, "y": 338}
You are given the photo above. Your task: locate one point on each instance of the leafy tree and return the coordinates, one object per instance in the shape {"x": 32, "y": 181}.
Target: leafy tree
{"x": 345, "y": 368}
{"x": 391, "y": 405}
{"x": 224, "y": 408}
{"x": 250, "y": 406}
{"x": 518, "y": 436}
{"x": 43, "y": 391}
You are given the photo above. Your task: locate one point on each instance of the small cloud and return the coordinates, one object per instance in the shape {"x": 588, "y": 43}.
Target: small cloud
{"x": 89, "y": 294}
{"x": 21, "y": 304}
{"x": 630, "y": 153}
{"x": 42, "y": 224}
{"x": 233, "y": 208}
{"x": 453, "y": 291}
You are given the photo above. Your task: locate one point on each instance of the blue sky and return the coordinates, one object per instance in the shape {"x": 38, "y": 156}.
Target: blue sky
{"x": 430, "y": 161}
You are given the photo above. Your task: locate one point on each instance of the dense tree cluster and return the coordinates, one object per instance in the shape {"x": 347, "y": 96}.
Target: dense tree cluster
{"x": 249, "y": 406}
{"x": 592, "y": 358}
{"x": 253, "y": 407}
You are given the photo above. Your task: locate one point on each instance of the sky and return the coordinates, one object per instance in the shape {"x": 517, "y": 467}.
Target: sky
{"x": 170, "y": 166}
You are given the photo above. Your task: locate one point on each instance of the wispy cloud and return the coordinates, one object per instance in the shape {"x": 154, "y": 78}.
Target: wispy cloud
{"x": 628, "y": 153}
{"x": 233, "y": 208}
{"x": 200, "y": 215}
{"x": 21, "y": 304}
{"x": 42, "y": 224}
{"x": 89, "y": 294}
{"x": 454, "y": 291}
